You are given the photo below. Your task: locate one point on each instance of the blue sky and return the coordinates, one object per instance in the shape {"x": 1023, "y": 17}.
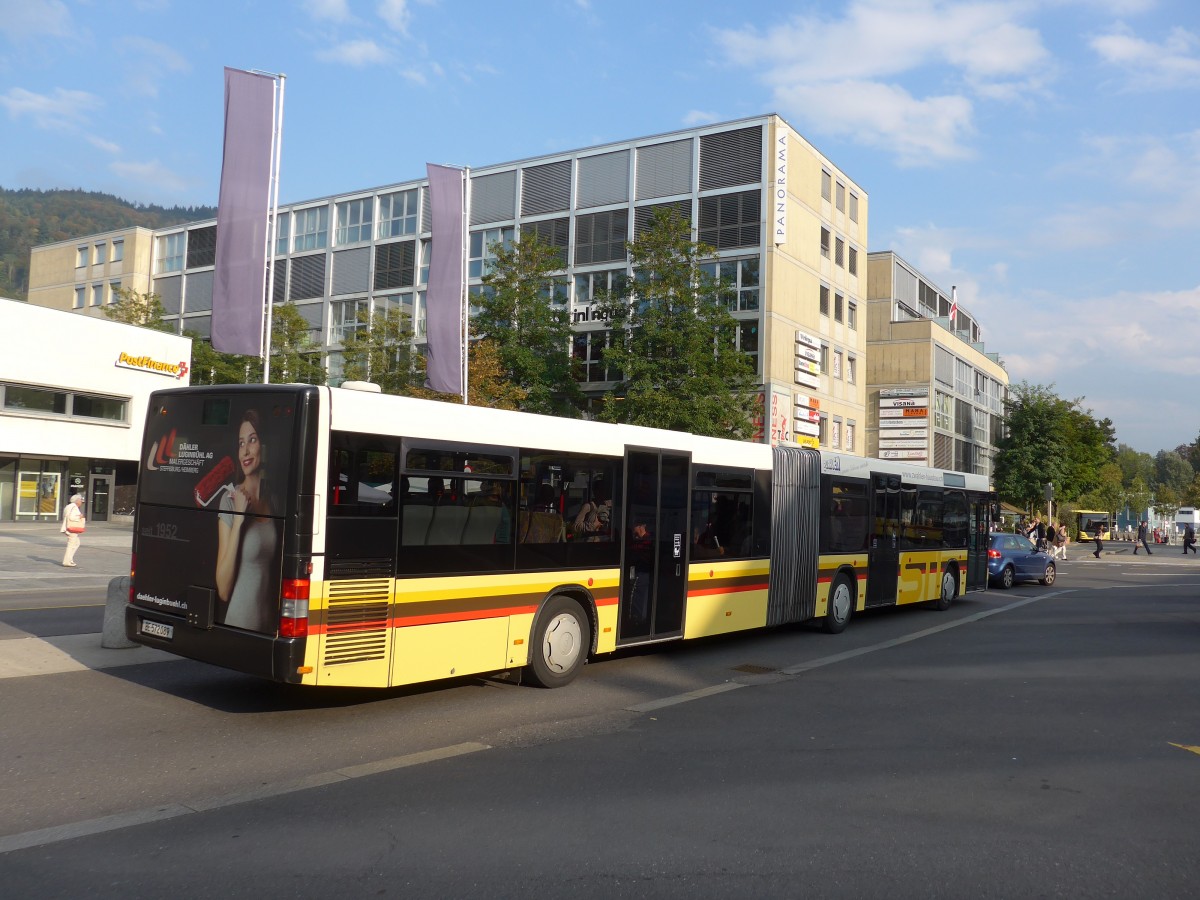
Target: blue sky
{"x": 1043, "y": 156}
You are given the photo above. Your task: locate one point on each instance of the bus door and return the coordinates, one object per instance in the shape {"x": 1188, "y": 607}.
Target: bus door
{"x": 883, "y": 566}
{"x": 655, "y": 560}
{"x": 977, "y": 545}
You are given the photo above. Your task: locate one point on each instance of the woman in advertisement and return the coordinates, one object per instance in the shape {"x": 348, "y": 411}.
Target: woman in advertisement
{"x": 247, "y": 537}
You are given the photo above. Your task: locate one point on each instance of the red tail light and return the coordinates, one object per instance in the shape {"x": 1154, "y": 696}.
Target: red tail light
{"x": 993, "y": 554}
{"x": 293, "y": 613}
{"x": 132, "y": 572}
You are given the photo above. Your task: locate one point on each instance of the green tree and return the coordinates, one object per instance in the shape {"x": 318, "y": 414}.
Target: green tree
{"x": 136, "y": 308}
{"x": 295, "y": 355}
{"x": 380, "y": 351}
{"x": 675, "y": 342}
{"x": 1191, "y": 497}
{"x": 488, "y": 381}
{"x": 1173, "y": 471}
{"x": 1135, "y": 464}
{"x": 1108, "y": 493}
{"x": 1166, "y": 504}
{"x": 1138, "y": 496}
{"x": 210, "y": 366}
{"x": 531, "y": 332}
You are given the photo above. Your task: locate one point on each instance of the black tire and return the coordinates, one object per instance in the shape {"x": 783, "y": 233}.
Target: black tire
{"x": 948, "y": 592}
{"x": 1007, "y": 577}
{"x": 1051, "y": 574}
{"x": 562, "y": 638}
{"x": 840, "y": 606}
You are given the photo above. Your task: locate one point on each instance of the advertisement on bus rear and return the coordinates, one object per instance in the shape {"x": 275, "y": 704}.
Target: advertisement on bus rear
{"x": 211, "y": 502}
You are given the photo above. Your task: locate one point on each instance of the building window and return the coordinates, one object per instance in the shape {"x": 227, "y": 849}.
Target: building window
{"x": 824, "y": 359}
{"x": 101, "y": 249}
{"x": 398, "y": 213}
{"x": 169, "y": 255}
{"x": 202, "y": 247}
{"x": 853, "y": 261}
{"x": 848, "y": 437}
{"x": 97, "y": 294}
{"x": 823, "y": 430}
{"x": 826, "y": 185}
{"x": 113, "y": 288}
{"x": 587, "y": 351}
{"x": 851, "y": 366}
{"x": 600, "y": 237}
{"x": 283, "y": 235}
{"x": 482, "y": 254}
{"x": 853, "y": 207}
{"x": 738, "y": 277}
{"x": 840, "y": 197}
{"x": 354, "y": 221}
{"x": 852, "y": 316}
{"x": 394, "y": 265}
{"x": 312, "y": 229}
{"x": 838, "y": 356}
{"x": 423, "y": 270}
{"x": 79, "y": 298}
{"x": 555, "y": 234}
{"x": 824, "y": 300}
{"x": 89, "y": 406}
{"x": 839, "y": 252}
{"x": 37, "y": 400}
{"x": 81, "y": 257}
{"x": 731, "y": 220}
{"x": 748, "y": 341}
{"x": 346, "y": 317}
{"x": 835, "y": 434}
{"x": 825, "y": 242}
{"x": 118, "y": 251}
{"x": 839, "y": 303}
{"x": 943, "y": 411}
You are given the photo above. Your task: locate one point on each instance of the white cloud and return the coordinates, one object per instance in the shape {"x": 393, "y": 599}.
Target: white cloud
{"x": 396, "y": 14}
{"x": 329, "y": 10}
{"x": 1174, "y": 63}
{"x": 699, "y": 117}
{"x": 148, "y": 63}
{"x": 63, "y": 109}
{"x": 150, "y": 176}
{"x": 839, "y": 75}
{"x": 101, "y": 144}
{"x": 24, "y": 19}
{"x": 356, "y": 53}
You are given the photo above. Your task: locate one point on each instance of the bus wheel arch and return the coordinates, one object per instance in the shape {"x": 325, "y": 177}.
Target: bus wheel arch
{"x": 843, "y": 597}
{"x": 562, "y": 640}
{"x": 948, "y": 589}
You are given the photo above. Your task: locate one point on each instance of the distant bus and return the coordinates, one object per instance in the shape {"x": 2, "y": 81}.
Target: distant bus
{"x": 325, "y": 536}
{"x": 1086, "y": 521}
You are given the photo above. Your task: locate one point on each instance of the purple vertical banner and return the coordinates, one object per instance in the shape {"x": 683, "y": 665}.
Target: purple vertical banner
{"x": 444, "y": 296}
{"x": 237, "y": 310}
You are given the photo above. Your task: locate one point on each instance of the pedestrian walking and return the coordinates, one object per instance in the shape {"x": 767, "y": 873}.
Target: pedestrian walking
{"x": 1141, "y": 539}
{"x": 1099, "y": 535}
{"x": 73, "y": 524}
{"x": 1189, "y": 539}
{"x": 1060, "y": 542}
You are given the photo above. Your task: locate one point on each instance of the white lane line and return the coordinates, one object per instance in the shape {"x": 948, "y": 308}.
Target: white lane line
{"x": 651, "y": 705}
{"x": 26, "y": 656}
{"x": 58, "y": 833}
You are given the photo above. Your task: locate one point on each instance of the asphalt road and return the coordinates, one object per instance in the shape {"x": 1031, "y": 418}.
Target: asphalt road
{"x": 1038, "y": 742}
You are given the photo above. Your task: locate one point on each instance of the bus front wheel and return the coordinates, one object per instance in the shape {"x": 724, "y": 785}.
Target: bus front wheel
{"x": 949, "y": 591}
{"x": 840, "y": 607}
{"x": 561, "y": 640}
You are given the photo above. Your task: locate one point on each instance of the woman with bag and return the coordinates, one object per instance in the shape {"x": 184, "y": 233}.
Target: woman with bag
{"x": 73, "y": 524}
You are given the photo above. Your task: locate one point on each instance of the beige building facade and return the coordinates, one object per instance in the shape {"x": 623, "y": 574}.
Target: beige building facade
{"x": 83, "y": 275}
{"x": 934, "y": 395}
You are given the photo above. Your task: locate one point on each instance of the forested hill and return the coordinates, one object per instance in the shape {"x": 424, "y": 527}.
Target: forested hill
{"x": 29, "y": 217}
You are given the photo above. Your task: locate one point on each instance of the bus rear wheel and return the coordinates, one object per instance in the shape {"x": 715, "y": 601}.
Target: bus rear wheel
{"x": 561, "y": 639}
{"x": 840, "y": 607}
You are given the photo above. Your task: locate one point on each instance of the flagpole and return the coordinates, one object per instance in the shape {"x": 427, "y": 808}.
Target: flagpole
{"x": 273, "y": 218}
{"x": 464, "y": 329}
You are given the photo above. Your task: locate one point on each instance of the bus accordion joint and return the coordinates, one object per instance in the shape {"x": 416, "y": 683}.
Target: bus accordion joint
{"x": 293, "y": 613}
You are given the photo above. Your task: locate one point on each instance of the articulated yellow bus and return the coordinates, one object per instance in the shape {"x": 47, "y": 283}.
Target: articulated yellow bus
{"x": 325, "y": 536}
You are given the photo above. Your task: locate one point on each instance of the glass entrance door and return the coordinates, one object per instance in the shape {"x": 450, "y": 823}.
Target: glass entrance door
{"x": 99, "y": 488}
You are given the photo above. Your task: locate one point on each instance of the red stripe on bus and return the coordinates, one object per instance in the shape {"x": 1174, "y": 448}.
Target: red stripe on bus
{"x": 731, "y": 589}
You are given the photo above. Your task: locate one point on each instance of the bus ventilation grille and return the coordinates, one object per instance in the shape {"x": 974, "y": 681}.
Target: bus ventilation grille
{"x": 357, "y": 621}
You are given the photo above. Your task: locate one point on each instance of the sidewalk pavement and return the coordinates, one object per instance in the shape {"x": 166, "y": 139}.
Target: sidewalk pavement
{"x": 31, "y": 556}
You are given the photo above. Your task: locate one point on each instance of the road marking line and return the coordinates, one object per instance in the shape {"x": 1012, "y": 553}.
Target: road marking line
{"x": 58, "y": 833}
{"x": 651, "y": 705}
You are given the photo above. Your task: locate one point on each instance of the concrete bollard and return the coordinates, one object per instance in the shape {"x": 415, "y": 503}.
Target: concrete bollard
{"x": 113, "y": 637}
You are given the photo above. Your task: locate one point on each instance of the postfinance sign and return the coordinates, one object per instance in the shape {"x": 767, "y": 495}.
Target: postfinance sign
{"x": 150, "y": 364}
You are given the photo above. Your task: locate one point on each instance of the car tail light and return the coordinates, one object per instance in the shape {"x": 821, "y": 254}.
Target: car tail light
{"x": 293, "y": 614}
{"x": 993, "y": 554}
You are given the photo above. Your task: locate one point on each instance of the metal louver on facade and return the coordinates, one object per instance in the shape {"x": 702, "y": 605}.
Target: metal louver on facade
{"x": 351, "y": 271}
{"x": 198, "y": 292}
{"x": 202, "y": 247}
{"x": 279, "y": 285}
{"x": 426, "y": 215}
{"x": 395, "y": 265}
{"x": 730, "y": 158}
{"x": 493, "y": 197}
{"x": 795, "y": 530}
{"x": 546, "y": 189}
{"x": 664, "y": 169}
{"x": 643, "y": 214}
{"x": 731, "y": 220}
{"x": 603, "y": 179}
{"x": 554, "y": 233}
{"x": 170, "y": 293}
{"x": 308, "y": 277}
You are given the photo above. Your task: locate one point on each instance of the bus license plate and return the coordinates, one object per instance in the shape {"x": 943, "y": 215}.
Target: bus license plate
{"x": 158, "y": 629}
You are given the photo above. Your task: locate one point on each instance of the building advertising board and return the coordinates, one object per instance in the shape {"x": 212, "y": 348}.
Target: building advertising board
{"x": 779, "y": 193}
